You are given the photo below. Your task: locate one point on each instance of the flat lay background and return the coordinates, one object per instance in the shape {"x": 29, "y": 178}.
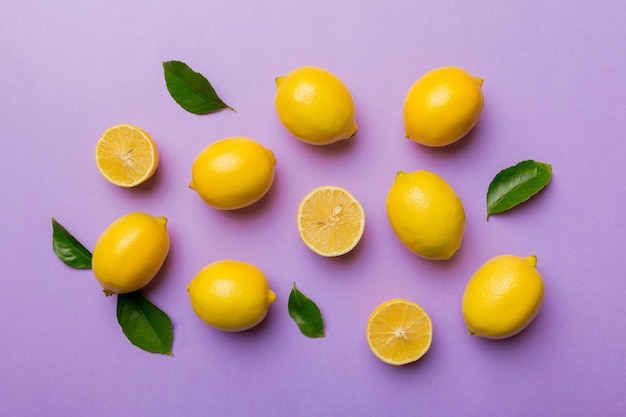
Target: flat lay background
{"x": 554, "y": 90}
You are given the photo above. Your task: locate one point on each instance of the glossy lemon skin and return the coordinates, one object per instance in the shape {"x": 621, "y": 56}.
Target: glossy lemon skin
{"x": 233, "y": 173}
{"x": 426, "y": 214}
{"x": 503, "y": 297}
{"x": 315, "y": 106}
{"x": 130, "y": 252}
{"x": 443, "y": 106}
{"x": 231, "y": 295}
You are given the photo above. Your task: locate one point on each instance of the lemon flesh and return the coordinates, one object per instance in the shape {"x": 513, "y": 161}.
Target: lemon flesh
{"x": 126, "y": 155}
{"x": 443, "y": 106}
{"x": 330, "y": 221}
{"x": 231, "y": 295}
{"x": 426, "y": 214}
{"x": 315, "y": 106}
{"x": 503, "y": 297}
{"x": 130, "y": 252}
{"x": 233, "y": 173}
{"x": 399, "y": 332}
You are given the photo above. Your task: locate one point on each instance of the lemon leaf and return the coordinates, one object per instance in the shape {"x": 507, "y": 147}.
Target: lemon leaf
{"x": 144, "y": 324}
{"x": 516, "y": 184}
{"x": 68, "y": 249}
{"x": 191, "y": 90}
{"x": 305, "y": 313}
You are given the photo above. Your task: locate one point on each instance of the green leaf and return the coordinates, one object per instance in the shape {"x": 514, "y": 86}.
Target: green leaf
{"x": 305, "y": 313}
{"x": 516, "y": 184}
{"x": 144, "y": 324}
{"x": 191, "y": 90}
{"x": 68, "y": 249}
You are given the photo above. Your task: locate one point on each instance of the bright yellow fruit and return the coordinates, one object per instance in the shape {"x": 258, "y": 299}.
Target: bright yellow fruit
{"x": 126, "y": 155}
{"x": 443, "y": 106}
{"x": 231, "y": 295}
{"x": 503, "y": 297}
{"x": 399, "y": 332}
{"x": 130, "y": 252}
{"x": 315, "y": 106}
{"x": 233, "y": 173}
{"x": 330, "y": 221}
{"x": 426, "y": 214}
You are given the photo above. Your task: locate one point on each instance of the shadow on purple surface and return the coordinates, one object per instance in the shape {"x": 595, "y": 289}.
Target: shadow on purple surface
{"x": 515, "y": 342}
{"x": 166, "y": 270}
{"x": 454, "y": 149}
{"x": 256, "y": 209}
{"x": 337, "y": 149}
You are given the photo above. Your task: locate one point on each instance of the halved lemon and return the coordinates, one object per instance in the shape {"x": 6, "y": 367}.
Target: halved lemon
{"x": 330, "y": 221}
{"x": 126, "y": 155}
{"x": 399, "y": 332}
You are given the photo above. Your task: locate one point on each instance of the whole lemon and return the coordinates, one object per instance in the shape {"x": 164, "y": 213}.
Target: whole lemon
{"x": 426, "y": 214}
{"x": 315, "y": 106}
{"x": 443, "y": 106}
{"x": 130, "y": 252}
{"x": 503, "y": 297}
{"x": 231, "y": 295}
{"x": 233, "y": 173}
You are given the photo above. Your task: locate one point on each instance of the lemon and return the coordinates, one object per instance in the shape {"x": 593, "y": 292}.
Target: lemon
{"x": 315, "y": 106}
{"x": 232, "y": 173}
{"x": 126, "y": 155}
{"x": 231, "y": 295}
{"x": 426, "y": 214}
{"x": 330, "y": 221}
{"x": 443, "y": 106}
{"x": 130, "y": 252}
{"x": 399, "y": 332}
{"x": 503, "y": 297}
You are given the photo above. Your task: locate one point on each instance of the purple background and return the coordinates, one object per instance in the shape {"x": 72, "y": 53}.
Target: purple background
{"x": 554, "y": 91}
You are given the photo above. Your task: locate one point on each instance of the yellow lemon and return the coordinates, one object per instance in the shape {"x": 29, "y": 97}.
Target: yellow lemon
{"x": 233, "y": 173}
{"x": 426, "y": 214}
{"x": 315, "y": 106}
{"x": 503, "y": 297}
{"x": 231, "y": 295}
{"x": 130, "y": 252}
{"x": 330, "y": 221}
{"x": 126, "y": 155}
{"x": 443, "y": 106}
{"x": 399, "y": 332}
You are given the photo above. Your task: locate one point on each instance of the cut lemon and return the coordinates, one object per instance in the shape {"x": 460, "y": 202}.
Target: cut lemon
{"x": 399, "y": 332}
{"x": 330, "y": 221}
{"x": 126, "y": 155}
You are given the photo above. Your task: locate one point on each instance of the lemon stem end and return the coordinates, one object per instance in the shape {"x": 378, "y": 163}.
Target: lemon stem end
{"x": 532, "y": 260}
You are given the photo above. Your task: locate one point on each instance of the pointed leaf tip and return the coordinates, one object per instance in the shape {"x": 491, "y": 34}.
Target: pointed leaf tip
{"x": 191, "y": 90}
{"x": 516, "y": 184}
{"x": 68, "y": 249}
{"x": 144, "y": 324}
{"x": 305, "y": 313}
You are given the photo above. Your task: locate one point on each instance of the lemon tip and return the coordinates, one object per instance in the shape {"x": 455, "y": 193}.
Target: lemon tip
{"x": 532, "y": 260}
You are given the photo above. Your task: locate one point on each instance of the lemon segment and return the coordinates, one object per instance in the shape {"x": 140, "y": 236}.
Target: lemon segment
{"x": 330, "y": 221}
{"x": 442, "y": 106}
{"x": 233, "y": 173}
{"x": 126, "y": 155}
{"x": 503, "y": 297}
{"x": 426, "y": 214}
{"x": 130, "y": 252}
{"x": 399, "y": 332}
{"x": 231, "y": 295}
{"x": 315, "y": 106}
